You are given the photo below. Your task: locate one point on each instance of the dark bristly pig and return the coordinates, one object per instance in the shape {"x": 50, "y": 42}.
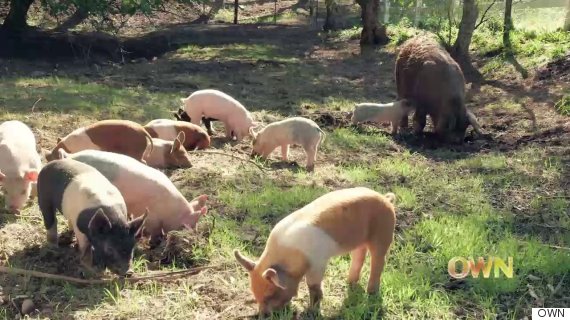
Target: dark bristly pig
{"x": 144, "y": 188}
{"x": 120, "y": 136}
{"x": 428, "y": 77}
{"x": 95, "y": 210}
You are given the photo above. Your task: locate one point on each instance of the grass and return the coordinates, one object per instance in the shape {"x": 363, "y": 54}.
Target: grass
{"x": 450, "y": 201}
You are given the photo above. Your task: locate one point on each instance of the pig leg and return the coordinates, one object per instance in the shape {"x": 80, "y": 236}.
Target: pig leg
{"x": 419, "y": 121}
{"x": 378, "y": 252}
{"x": 394, "y": 127}
{"x": 285, "y": 152}
{"x": 314, "y": 279}
{"x": 311, "y": 152}
{"x": 357, "y": 256}
{"x": 229, "y": 132}
{"x": 50, "y": 223}
{"x": 208, "y": 125}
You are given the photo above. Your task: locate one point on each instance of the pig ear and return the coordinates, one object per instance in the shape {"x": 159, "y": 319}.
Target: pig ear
{"x": 181, "y": 137}
{"x": 136, "y": 225}
{"x": 245, "y": 262}
{"x": 203, "y": 211}
{"x": 99, "y": 223}
{"x": 178, "y": 142}
{"x": 31, "y": 176}
{"x": 176, "y": 115}
{"x": 271, "y": 275}
{"x": 58, "y": 140}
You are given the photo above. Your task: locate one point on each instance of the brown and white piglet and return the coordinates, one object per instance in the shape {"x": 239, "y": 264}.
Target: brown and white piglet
{"x": 169, "y": 154}
{"x": 119, "y": 136}
{"x": 95, "y": 211}
{"x": 166, "y": 129}
{"x": 356, "y": 220}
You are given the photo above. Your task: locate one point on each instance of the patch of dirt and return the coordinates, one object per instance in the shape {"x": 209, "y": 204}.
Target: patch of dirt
{"x": 557, "y": 70}
{"x": 330, "y": 119}
{"x": 179, "y": 247}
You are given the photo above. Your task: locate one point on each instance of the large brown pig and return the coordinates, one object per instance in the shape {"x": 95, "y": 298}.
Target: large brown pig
{"x": 429, "y": 77}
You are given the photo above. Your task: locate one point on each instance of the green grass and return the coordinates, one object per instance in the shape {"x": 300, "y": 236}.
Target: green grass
{"x": 449, "y": 203}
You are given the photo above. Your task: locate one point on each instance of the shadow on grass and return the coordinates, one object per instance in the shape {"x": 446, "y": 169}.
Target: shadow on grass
{"x": 359, "y": 305}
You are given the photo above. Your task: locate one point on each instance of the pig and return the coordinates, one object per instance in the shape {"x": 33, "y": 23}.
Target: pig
{"x": 428, "y": 76}
{"x": 144, "y": 188}
{"x": 169, "y": 154}
{"x": 181, "y": 115}
{"x": 196, "y": 138}
{"x": 20, "y": 163}
{"x": 297, "y": 130}
{"x": 120, "y": 136}
{"x": 95, "y": 211}
{"x": 355, "y": 220}
{"x": 215, "y": 104}
{"x": 378, "y": 112}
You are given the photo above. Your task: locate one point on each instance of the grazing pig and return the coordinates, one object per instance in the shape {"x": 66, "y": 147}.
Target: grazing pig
{"x": 120, "y": 136}
{"x": 353, "y": 220}
{"x": 145, "y": 188}
{"x": 166, "y": 129}
{"x": 378, "y": 112}
{"x": 215, "y": 104}
{"x": 19, "y": 163}
{"x": 181, "y": 115}
{"x": 429, "y": 77}
{"x": 94, "y": 209}
{"x": 169, "y": 154}
{"x": 297, "y": 130}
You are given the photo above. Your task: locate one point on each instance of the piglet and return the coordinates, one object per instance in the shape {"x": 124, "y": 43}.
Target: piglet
{"x": 297, "y": 130}
{"x": 120, "y": 136}
{"x": 215, "y": 104}
{"x": 169, "y": 154}
{"x": 19, "y": 163}
{"x": 94, "y": 209}
{"x": 377, "y": 112}
{"x": 196, "y": 138}
{"x": 356, "y": 220}
{"x": 144, "y": 188}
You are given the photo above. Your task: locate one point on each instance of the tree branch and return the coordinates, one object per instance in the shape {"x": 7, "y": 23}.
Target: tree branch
{"x": 483, "y": 20}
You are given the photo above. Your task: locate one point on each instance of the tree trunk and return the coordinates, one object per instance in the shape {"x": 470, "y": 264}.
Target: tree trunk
{"x": 417, "y": 13}
{"x": 236, "y": 8}
{"x": 16, "y": 18}
{"x": 330, "y": 15}
{"x": 567, "y": 19}
{"x": 508, "y": 25}
{"x": 386, "y": 11}
{"x": 373, "y": 33}
{"x": 460, "y": 50}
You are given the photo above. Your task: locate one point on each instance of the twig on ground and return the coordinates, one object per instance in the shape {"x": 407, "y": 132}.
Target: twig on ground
{"x": 35, "y": 103}
{"x": 229, "y": 155}
{"x": 157, "y": 276}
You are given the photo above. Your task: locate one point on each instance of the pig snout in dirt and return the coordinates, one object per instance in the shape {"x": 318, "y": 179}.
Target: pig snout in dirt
{"x": 96, "y": 211}
{"x": 302, "y": 243}
{"x": 169, "y": 154}
{"x": 297, "y": 131}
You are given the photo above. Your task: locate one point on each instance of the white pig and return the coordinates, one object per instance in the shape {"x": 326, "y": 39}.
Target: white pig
{"x": 143, "y": 187}
{"x": 169, "y": 154}
{"x": 379, "y": 112}
{"x": 217, "y": 105}
{"x": 297, "y": 130}
{"x": 20, "y": 163}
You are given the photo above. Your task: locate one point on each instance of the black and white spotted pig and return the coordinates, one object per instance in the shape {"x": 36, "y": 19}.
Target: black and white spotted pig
{"x": 94, "y": 209}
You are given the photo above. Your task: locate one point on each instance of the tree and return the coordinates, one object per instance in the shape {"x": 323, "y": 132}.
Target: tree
{"x": 331, "y": 11}
{"x": 508, "y": 25}
{"x": 460, "y": 49}
{"x": 567, "y": 19}
{"x": 16, "y": 19}
{"x": 373, "y": 32}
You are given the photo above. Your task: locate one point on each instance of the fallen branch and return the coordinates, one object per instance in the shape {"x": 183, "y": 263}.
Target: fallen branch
{"x": 35, "y": 103}
{"x": 157, "y": 276}
{"x": 229, "y": 155}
